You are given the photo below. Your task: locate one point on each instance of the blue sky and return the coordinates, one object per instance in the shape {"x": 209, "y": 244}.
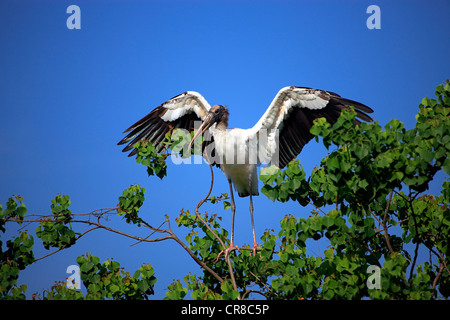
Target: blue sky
{"x": 67, "y": 95}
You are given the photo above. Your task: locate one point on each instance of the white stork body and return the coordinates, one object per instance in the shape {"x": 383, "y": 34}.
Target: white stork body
{"x": 232, "y": 151}
{"x": 239, "y": 174}
{"x": 277, "y": 138}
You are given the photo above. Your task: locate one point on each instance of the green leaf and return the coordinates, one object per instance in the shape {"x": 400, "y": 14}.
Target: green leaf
{"x": 86, "y": 266}
{"x": 446, "y": 166}
{"x": 114, "y": 288}
{"x": 329, "y": 253}
{"x": 143, "y": 286}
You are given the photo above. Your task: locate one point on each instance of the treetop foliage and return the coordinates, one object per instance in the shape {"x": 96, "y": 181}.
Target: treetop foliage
{"x": 368, "y": 200}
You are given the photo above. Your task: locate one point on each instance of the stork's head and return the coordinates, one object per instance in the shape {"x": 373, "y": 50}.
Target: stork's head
{"x": 217, "y": 114}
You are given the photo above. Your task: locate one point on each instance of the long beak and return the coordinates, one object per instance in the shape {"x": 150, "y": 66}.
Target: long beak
{"x": 209, "y": 120}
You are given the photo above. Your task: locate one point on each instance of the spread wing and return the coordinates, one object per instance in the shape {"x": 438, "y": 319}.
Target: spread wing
{"x": 292, "y": 113}
{"x": 179, "y": 112}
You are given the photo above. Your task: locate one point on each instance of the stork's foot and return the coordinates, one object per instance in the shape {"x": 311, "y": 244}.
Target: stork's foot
{"x": 255, "y": 248}
{"x": 227, "y": 251}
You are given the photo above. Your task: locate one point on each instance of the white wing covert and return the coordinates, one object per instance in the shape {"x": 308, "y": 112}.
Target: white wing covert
{"x": 289, "y": 118}
{"x": 179, "y": 112}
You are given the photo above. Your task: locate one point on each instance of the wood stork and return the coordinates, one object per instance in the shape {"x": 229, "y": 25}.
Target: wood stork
{"x": 285, "y": 125}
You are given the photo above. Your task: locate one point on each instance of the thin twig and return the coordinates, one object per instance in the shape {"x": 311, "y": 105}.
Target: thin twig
{"x": 337, "y": 200}
{"x": 265, "y": 285}
{"x": 317, "y": 208}
{"x": 376, "y": 218}
{"x": 386, "y": 235}
{"x": 154, "y": 231}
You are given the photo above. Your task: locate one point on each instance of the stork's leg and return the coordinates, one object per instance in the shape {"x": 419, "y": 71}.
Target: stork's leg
{"x": 233, "y": 211}
{"x": 255, "y": 245}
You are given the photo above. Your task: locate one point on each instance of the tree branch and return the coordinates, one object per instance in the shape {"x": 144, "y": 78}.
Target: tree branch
{"x": 253, "y": 291}
{"x": 435, "y": 281}
{"x": 386, "y": 235}
{"x": 56, "y": 251}
{"x": 99, "y": 225}
{"x": 154, "y": 230}
{"x": 201, "y": 203}
{"x": 265, "y": 285}
{"x": 193, "y": 256}
{"x": 227, "y": 257}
